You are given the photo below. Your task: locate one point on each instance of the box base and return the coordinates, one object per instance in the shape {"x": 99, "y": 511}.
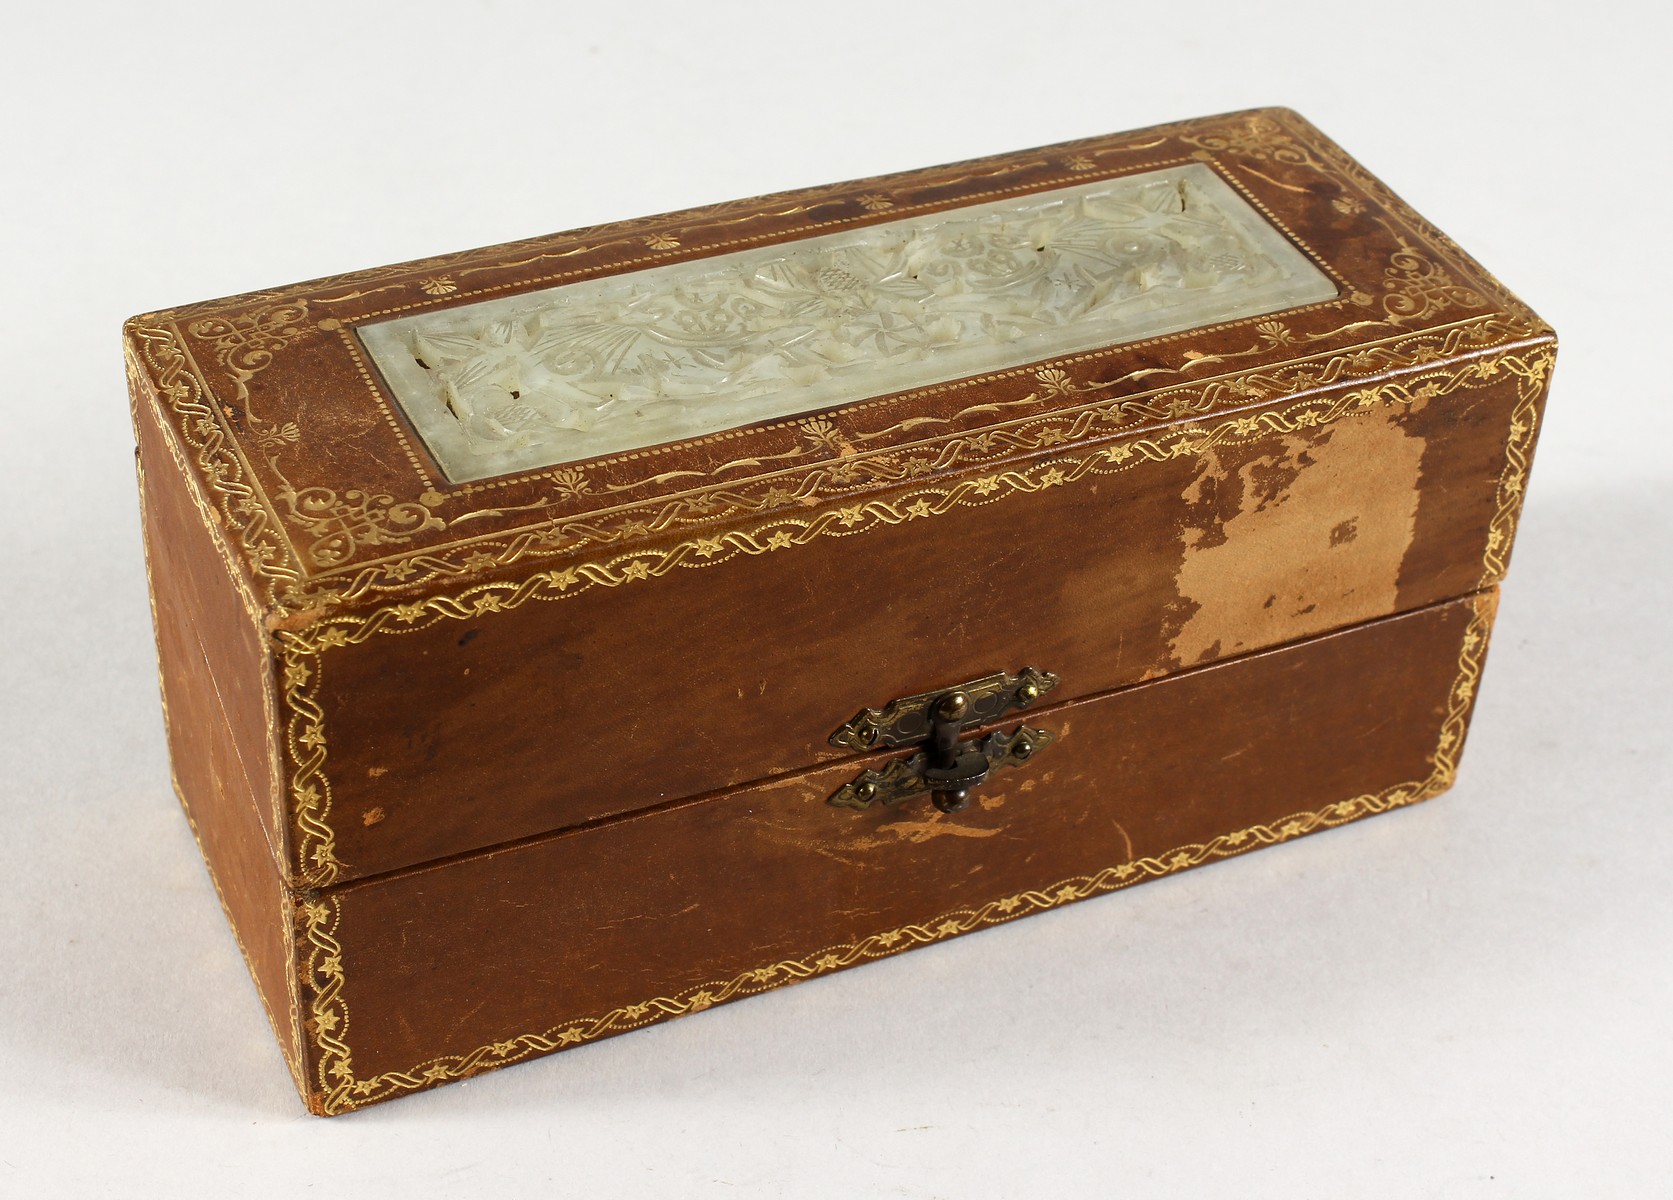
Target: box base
{"x": 421, "y": 977}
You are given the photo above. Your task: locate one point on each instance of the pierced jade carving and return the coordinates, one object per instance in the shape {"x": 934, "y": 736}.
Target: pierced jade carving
{"x": 652, "y": 356}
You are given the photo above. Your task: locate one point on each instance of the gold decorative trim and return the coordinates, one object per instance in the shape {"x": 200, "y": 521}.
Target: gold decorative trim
{"x": 850, "y": 465}
{"x": 341, "y": 1090}
{"x": 1519, "y": 455}
{"x": 328, "y": 1014}
{"x": 1260, "y": 137}
{"x": 337, "y": 525}
{"x": 245, "y": 343}
{"x": 239, "y": 508}
{"x": 1346, "y": 167}
{"x": 1416, "y": 285}
{"x": 308, "y": 788}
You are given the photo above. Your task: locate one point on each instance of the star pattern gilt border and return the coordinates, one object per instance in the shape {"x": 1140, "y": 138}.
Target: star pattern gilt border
{"x": 341, "y": 1090}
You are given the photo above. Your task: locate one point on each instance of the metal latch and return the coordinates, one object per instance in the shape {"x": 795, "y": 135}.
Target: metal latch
{"x": 947, "y": 767}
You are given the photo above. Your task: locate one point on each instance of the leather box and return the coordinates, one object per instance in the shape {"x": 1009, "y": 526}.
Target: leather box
{"x": 568, "y": 635}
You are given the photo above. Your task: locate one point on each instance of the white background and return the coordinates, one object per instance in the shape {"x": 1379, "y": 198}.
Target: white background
{"x": 1469, "y": 998}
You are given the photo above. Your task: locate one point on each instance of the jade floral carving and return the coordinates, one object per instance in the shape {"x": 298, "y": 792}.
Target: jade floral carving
{"x": 656, "y": 355}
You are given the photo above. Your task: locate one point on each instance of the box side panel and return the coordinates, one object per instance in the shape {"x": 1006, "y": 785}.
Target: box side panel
{"x": 211, "y": 672}
{"x": 194, "y": 580}
{"x": 1478, "y": 469}
{"x": 442, "y": 972}
{"x": 214, "y": 789}
{"x": 515, "y": 709}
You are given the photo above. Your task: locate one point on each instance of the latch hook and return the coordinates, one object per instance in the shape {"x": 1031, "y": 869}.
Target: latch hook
{"x": 947, "y": 767}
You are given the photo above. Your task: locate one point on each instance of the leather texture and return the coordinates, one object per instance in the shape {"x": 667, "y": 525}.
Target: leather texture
{"x": 487, "y": 770}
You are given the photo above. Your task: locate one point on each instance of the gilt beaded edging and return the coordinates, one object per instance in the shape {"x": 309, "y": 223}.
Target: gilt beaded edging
{"x": 320, "y": 916}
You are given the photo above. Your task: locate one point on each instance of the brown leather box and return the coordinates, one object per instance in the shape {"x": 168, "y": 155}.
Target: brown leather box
{"x": 563, "y": 636}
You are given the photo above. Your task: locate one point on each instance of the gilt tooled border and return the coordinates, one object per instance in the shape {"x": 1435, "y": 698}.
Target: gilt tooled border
{"x": 304, "y": 735}
{"x": 250, "y": 519}
{"x": 341, "y": 1090}
{"x": 239, "y": 509}
{"x": 852, "y": 466}
{"x": 320, "y": 917}
{"x": 1267, "y": 136}
{"x": 1249, "y": 140}
{"x": 875, "y": 198}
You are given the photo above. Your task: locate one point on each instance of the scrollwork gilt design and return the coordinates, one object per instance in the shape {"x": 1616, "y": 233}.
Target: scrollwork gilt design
{"x": 1418, "y": 287}
{"x": 1259, "y": 137}
{"x": 244, "y": 343}
{"x": 340, "y": 524}
{"x": 336, "y": 523}
{"x": 239, "y": 505}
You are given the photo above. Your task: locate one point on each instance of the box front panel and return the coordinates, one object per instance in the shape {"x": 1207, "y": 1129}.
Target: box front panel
{"x": 442, "y": 972}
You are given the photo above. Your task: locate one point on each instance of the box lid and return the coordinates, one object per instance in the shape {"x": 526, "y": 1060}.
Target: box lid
{"x": 410, "y": 449}
{"x": 336, "y": 494}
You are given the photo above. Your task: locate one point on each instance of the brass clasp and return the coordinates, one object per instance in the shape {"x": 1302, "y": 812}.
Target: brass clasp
{"x": 947, "y": 767}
